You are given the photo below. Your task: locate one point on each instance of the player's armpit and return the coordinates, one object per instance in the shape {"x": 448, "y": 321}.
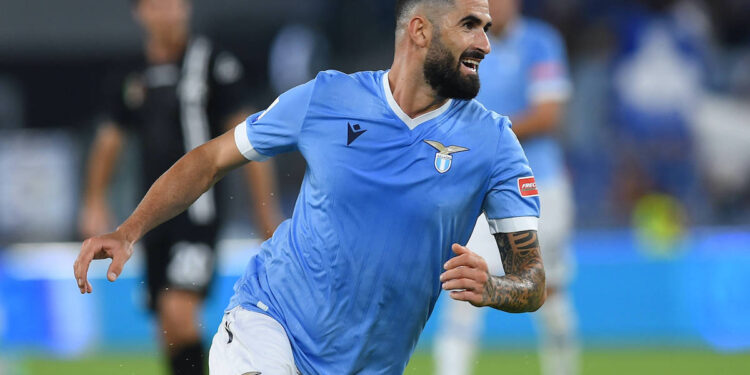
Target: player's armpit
{"x": 522, "y": 289}
{"x": 263, "y": 187}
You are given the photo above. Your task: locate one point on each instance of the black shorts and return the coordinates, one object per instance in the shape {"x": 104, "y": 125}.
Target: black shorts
{"x": 180, "y": 256}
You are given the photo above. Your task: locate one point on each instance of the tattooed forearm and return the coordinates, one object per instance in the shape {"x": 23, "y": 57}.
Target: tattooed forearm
{"x": 522, "y": 288}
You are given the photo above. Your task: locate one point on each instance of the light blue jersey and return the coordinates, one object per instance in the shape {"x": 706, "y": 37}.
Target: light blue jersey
{"x": 527, "y": 65}
{"x": 354, "y": 274}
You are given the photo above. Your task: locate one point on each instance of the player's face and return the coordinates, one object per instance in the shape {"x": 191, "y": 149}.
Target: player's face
{"x": 163, "y": 17}
{"x": 503, "y": 11}
{"x": 458, "y": 46}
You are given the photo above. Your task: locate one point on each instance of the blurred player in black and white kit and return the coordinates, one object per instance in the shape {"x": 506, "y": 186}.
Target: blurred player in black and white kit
{"x": 185, "y": 92}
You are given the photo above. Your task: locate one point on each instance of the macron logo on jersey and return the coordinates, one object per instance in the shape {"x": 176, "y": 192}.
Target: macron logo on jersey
{"x": 527, "y": 187}
{"x": 353, "y": 133}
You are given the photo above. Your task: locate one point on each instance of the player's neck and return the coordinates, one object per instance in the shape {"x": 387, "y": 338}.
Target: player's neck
{"x": 165, "y": 50}
{"x": 411, "y": 91}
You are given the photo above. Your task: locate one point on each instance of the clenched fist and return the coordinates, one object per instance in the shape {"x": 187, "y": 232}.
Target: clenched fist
{"x": 467, "y": 277}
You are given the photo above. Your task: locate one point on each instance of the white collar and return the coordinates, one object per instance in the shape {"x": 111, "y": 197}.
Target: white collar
{"x": 411, "y": 122}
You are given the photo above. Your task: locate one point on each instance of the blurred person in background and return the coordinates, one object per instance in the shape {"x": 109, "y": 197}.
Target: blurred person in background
{"x": 659, "y": 75}
{"x": 526, "y": 78}
{"x": 184, "y": 93}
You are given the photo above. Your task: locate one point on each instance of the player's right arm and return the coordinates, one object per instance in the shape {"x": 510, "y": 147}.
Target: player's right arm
{"x": 95, "y": 216}
{"x": 171, "y": 194}
{"x": 261, "y": 136}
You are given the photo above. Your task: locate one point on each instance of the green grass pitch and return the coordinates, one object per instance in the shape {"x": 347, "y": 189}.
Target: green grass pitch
{"x": 595, "y": 362}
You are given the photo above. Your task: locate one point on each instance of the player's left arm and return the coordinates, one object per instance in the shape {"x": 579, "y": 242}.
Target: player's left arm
{"x": 511, "y": 205}
{"x": 521, "y": 289}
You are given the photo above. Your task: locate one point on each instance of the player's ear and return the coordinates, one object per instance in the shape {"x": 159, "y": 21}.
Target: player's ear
{"x": 420, "y": 31}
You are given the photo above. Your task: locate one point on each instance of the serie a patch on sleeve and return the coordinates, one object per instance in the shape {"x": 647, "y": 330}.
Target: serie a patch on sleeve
{"x": 527, "y": 187}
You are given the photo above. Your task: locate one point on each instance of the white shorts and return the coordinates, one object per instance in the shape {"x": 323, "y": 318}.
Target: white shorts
{"x": 250, "y": 343}
{"x": 555, "y": 225}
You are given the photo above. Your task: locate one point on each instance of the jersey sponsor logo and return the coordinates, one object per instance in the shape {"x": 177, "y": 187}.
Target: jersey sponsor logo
{"x": 527, "y": 187}
{"x": 353, "y": 132}
{"x": 443, "y": 158}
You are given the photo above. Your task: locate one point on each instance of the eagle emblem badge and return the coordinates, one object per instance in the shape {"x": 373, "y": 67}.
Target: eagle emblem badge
{"x": 444, "y": 157}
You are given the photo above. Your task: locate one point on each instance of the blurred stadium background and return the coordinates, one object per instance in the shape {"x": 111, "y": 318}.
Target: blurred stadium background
{"x": 657, "y": 141}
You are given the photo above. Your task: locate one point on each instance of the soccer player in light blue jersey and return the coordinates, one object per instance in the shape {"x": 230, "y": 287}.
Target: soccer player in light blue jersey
{"x": 400, "y": 163}
{"x": 526, "y": 78}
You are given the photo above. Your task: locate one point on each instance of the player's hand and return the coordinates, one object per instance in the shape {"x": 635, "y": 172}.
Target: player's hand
{"x": 466, "y": 276}
{"x": 112, "y": 245}
{"x": 95, "y": 218}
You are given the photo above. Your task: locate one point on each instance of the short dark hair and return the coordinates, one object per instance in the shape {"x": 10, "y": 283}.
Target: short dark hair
{"x": 404, "y": 6}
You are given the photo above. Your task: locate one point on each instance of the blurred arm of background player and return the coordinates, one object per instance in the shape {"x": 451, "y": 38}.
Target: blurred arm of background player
{"x": 547, "y": 91}
{"x": 96, "y": 215}
{"x": 543, "y": 117}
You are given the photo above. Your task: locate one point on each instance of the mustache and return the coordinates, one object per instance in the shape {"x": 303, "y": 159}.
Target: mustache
{"x": 473, "y": 54}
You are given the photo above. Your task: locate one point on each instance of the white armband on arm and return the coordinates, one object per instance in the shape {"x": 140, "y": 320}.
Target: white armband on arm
{"x": 244, "y": 145}
{"x": 513, "y": 224}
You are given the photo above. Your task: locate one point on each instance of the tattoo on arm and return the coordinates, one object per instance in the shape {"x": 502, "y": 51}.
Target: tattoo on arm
{"x": 522, "y": 288}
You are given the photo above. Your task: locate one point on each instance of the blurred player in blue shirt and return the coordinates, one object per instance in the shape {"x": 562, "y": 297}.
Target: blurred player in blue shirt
{"x": 400, "y": 163}
{"x": 526, "y": 78}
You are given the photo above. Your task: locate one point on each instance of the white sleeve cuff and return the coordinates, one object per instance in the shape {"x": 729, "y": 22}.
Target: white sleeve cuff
{"x": 244, "y": 145}
{"x": 513, "y": 224}
{"x": 558, "y": 90}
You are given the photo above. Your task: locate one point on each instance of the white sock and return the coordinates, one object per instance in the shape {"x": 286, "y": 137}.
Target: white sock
{"x": 457, "y": 340}
{"x": 557, "y": 323}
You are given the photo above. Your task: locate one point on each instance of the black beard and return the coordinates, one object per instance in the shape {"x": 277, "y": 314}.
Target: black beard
{"x": 445, "y": 77}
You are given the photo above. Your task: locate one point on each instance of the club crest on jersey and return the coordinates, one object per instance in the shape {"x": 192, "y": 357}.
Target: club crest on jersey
{"x": 443, "y": 158}
{"x": 527, "y": 187}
